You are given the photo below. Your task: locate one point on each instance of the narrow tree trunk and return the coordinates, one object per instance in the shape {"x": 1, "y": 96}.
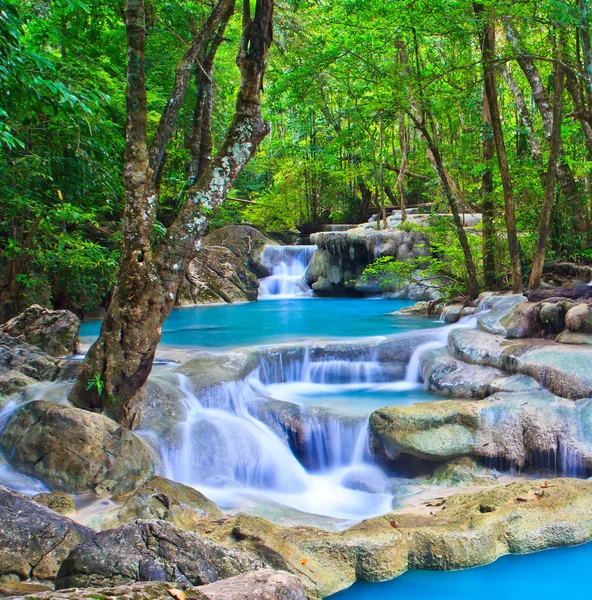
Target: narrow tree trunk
{"x": 569, "y": 187}
{"x": 488, "y": 58}
{"x": 147, "y": 282}
{"x": 473, "y": 282}
{"x": 403, "y": 168}
{"x": 555, "y": 146}
{"x": 488, "y": 209}
{"x": 524, "y": 114}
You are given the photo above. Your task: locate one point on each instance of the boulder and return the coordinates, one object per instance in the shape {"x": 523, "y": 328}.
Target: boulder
{"x": 561, "y": 368}
{"x": 246, "y": 243}
{"x": 34, "y": 540}
{"x": 264, "y": 584}
{"x": 495, "y": 308}
{"x": 217, "y": 275}
{"x": 22, "y": 365}
{"x": 71, "y": 449}
{"x": 450, "y": 377}
{"x": 54, "y": 331}
{"x": 579, "y": 318}
{"x": 156, "y": 498}
{"x": 463, "y": 472}
{"x": 524, "y": 429}
{"x": 422, "y": 308}
{"x": 150, "y": 551}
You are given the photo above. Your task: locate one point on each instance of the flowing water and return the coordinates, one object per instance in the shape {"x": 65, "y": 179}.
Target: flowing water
{"x": 287, "y": 265}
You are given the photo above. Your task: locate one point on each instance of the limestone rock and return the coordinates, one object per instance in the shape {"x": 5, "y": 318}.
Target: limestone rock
{"x": 498, "y": 307}
{"x": 515, "y": 427}
{"x": 341, "y": 258}
{"x": 217, "y": 275}
{"x": 22, "y": 365}
{"x": 150, "y": 551}
{"x": 10, "y": 589}
{"x": 245, "y": 242}
{"x": 463, "y": 472}
{"x": 264, "y": 584}
{"x": 448, "y": 376}
{"x": 34, "y": 540}
{"x": 71, "y": 449}
{"x": 54, "y": 331}
{"x": 563, "y": 369}
{"x": 156, "y": 498}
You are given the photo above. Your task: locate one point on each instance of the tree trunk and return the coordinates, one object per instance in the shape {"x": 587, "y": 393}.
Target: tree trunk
{"x": 524, "y": 114}
{"x": 569, "y": 187}
{"x": 473, "y": 282}
{"x": 488, "y": 58}
{"x": 549, "y": 201}
{"x": 403, "y": 168}
{"x": 147, "y": 281}
{"x": 488, "y": 209}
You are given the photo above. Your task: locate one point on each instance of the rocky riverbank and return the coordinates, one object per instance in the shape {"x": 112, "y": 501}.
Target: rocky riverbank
{"x": 511, "y": 396}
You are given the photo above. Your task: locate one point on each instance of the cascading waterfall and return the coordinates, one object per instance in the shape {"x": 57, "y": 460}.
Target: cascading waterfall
{"x": 287, "y": 265}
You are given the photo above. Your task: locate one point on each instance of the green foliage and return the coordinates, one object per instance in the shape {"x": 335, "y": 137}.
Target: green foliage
{"x": 96, "y": 382}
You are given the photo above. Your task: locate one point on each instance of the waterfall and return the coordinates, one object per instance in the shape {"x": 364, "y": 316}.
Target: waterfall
{"x": 413, "y": 372}
{"x": 287, "y": 265}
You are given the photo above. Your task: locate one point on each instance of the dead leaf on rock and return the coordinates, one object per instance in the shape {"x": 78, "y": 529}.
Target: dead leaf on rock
{"x": 177, "y": 594}
{"x": 303, "y": 561}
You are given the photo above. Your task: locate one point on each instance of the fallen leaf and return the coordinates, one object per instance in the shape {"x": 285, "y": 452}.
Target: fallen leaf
{"x": 303, "y": 561}
{"x": 521, "y": 500}
{"x": 394, "y": 525}
{"x": 178, "y": 594}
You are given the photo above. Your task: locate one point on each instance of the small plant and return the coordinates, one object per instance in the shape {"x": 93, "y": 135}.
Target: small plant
{"x": 97, "y": 382}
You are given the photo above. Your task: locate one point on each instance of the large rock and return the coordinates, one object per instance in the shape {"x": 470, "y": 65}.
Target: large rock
{"x": 524, "y": 429}
{"x": 71, "y": 449}
{"x": 22, "y": 365}
{"x": 467, "y": 530}
{"x": 34, "y": 540}
{"x": 217, "y": 275}
{"x": 264, "y": 584}
{"x": 54, "y": 331}
{"x": 227, "y": 267}
{"x": 563, "y": 369}
{"x": 579, "y": 318}
{"x": 245, "y": 242}
{"x": 150, "y": 551}
{"x": 337, "y": 265}
{"x": 156, "y": 498}
{"x": 445, "y": 375}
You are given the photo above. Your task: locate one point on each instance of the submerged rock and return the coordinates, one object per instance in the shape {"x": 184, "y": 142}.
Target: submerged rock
{"x": 71, "y": 449}
{"x": 150, "y": 551}
{"x": 34, "y": 540}
{"x": 57, "y": 501}
{"x": 54, "y": 331}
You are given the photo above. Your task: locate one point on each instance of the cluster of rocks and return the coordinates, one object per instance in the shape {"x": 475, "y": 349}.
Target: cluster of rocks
{"x": 225, "y": 556}
{"x": 520, "y": 384}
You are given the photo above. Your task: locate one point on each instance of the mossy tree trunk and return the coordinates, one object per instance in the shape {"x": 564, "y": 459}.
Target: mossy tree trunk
{"x": 150, "y": 273}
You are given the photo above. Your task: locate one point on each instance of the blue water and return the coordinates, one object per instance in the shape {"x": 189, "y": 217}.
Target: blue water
{"x": 274, "y": 320}
{"x": 555, "y": 574}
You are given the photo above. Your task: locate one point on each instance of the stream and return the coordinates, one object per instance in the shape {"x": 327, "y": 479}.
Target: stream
{"x": 290, "y": 440}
